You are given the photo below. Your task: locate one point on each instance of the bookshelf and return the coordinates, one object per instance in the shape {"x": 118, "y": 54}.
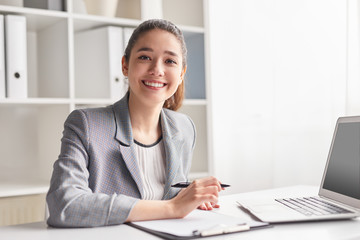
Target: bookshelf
{"x": 31, "y": 128}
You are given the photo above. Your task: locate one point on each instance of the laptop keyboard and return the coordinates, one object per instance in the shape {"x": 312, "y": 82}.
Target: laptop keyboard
{"x": 312, "y": 206}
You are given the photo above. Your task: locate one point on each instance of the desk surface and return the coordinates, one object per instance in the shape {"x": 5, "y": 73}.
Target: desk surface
{"x": 343, "y": 229}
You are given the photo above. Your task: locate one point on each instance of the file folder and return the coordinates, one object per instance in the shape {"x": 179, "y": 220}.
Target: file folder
{"x": 198, "y": 224}
{"x": 2, "y": 59}
{"x": 98, "y": 72}
{"x": 16, "y": 56}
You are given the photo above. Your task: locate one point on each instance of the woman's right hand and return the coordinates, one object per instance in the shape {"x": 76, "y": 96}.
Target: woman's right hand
{"x": 200, "y": 191}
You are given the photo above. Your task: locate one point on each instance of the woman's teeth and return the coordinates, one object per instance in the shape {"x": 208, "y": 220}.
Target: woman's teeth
{"x": 153, "y": 84}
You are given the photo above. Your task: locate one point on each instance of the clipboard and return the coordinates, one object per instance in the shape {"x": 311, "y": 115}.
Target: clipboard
{"x": 198, "y": 224}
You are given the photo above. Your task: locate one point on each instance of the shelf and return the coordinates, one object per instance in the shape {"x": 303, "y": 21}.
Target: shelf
{"x": 38, "y": 101}
{"x": 195, "y": 80}
{"x": 84, "y": 21}
{"x": 30, "y": 136}
{"x": 190, "y": 29}
{"x": 187, "y": 102}
{"x": 42, "y": 18}
{"x": 35, "y": 124}
{"x": 184, "y": 12}
{"x": 200, "y": 157}
{"x": 91, "y": 101}
{"x": 33, "y": 11}
{"x": 37, "y": 19}
{"x": 84, "y": 101}
{"x": 195, "y": 102}
{"x": 11, "y": 189}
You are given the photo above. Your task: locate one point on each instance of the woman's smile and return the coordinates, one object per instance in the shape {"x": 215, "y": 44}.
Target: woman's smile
{"x": 153, "y": 84}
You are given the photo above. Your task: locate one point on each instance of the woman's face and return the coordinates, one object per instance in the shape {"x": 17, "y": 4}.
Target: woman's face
{"x": 155, "y": 67}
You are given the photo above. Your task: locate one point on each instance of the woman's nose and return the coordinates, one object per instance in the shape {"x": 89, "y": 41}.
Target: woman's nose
{"x": 157, "y": 69}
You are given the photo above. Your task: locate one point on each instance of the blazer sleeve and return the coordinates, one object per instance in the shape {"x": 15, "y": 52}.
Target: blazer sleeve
{"x": 70, "y": 201}
{"x": 193, "y": 139}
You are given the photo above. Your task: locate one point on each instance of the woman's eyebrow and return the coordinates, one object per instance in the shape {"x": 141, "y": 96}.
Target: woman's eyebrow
{"x": 147, "y": 49}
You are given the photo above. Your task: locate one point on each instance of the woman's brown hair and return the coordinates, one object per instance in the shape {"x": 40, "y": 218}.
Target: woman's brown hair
{"x": 175, "y": 101}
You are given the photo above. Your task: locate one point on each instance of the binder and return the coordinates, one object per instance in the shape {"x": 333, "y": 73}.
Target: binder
{"x": 98, "y": 54}
{"x": 56, "y": 5}
{"x": 116, "y": 46}
{"x": 2, "y": 59}
{"x": 198, "y": 224}
{"x": 127, "y": 34}
{"x": 16, "y": 56}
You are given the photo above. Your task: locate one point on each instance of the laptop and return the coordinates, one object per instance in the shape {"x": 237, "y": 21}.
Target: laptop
{"x": 339, "y": 193}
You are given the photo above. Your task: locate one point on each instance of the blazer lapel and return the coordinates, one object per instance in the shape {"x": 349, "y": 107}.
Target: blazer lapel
{"x": 125, "y": 137}
{"x": 173, "y": 144}
{"x": 129, "y": 157}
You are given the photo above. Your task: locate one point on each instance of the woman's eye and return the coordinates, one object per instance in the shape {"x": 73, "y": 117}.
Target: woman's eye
{"x": 170, "y": 61}
{"x": 144, "y": 58}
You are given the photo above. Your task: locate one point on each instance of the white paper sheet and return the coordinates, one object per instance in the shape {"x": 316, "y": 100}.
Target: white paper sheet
{"x": 198, "y": 220}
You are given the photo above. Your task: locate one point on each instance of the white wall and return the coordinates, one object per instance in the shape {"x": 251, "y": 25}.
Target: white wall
{"x": 279, "y": 79}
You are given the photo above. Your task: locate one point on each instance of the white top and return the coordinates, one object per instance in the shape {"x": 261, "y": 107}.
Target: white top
{"x": 151, "y": 160}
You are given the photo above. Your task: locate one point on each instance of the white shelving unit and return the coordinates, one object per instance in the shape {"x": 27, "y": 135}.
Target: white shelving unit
{"x": 31, "y": 129}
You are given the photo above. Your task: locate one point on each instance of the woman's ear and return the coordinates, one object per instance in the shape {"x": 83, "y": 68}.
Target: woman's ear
{"x": 182, "y": 75}
{"x": 125, "y": 67}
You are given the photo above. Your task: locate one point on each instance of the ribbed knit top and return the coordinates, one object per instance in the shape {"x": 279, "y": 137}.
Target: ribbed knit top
{"x": 151, "y": 160}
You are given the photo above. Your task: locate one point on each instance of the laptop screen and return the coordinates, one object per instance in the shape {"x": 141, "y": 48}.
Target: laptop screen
{"x": 343, "y": 170}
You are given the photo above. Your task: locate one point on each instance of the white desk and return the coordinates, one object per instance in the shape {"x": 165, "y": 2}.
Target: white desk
{"x": 344, "y": 229}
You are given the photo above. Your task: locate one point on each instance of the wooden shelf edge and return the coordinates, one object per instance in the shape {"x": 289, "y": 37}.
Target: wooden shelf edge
{"x": 96, "y": 18}
{"x": 34, "y": 11}
{"x": 191, "y": 29}
{"x": 85, "y": 101}
{"x": 21, "y": 189}
{"x": 192, "y": 102}
{"x": 39, "y": 101}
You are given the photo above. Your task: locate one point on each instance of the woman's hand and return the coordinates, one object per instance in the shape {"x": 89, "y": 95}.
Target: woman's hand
{"x": 201, "y": 193}
{"x": 208, "y": 206}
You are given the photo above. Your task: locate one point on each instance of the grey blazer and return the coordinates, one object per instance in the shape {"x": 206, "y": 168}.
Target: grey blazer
{"x": 96, "y": 178}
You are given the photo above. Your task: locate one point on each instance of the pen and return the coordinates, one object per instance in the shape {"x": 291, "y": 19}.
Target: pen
{"x": 186, "y": 184}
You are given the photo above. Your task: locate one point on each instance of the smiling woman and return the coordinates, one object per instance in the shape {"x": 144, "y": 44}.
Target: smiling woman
{"x": 117, "y": 164}
{"x": 156, "y": 69}
{"x": 177, "y": 40}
